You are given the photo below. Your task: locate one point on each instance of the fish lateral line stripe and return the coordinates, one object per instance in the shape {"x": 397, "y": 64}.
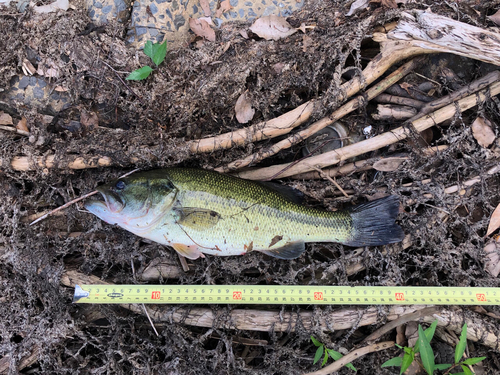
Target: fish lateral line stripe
{"x": 293, "y": 295}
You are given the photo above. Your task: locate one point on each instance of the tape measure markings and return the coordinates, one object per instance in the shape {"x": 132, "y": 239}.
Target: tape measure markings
{"x": 282, "y": 295}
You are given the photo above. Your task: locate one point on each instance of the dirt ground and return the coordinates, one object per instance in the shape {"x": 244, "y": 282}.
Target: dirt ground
{"x": 192, "y": 95}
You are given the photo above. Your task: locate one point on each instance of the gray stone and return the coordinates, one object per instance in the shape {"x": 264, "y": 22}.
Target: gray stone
{"x": 24, "y": 82}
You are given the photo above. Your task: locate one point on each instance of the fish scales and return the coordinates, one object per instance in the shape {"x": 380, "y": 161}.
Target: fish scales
{"x": 197, "y": 211}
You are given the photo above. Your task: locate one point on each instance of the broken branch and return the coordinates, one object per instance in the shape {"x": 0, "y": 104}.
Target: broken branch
{"x": 375, "y": 143}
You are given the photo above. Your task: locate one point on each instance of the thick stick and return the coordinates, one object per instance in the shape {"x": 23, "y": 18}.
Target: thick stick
{"x": 321, "y": 124}
{"x": 355, "y": 354}
{"x": 372, "y": 144}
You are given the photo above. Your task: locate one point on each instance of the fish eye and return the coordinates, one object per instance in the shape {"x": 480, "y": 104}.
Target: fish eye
{"x": 120, "y": 185}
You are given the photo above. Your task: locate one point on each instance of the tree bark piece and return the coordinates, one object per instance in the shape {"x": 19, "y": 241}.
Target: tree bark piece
{"x": 372, "y": 144}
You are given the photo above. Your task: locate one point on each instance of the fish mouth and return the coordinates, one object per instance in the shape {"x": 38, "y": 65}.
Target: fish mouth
{"x": 106, "y": 202}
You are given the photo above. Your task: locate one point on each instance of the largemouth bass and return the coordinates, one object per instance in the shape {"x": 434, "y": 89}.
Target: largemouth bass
{"x": 203, "y": 212}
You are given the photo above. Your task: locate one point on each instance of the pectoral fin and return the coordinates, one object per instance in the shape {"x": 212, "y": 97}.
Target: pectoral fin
{"x": 197, "y": 218}
{"x": 188, "y": 251}
{"x": 291, "y": 250}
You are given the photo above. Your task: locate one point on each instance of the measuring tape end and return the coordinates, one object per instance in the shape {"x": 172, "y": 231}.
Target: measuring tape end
{"x": 79, "y": 294}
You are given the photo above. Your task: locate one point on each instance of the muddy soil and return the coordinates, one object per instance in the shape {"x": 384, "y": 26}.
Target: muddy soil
{"x": 145, "y": 125}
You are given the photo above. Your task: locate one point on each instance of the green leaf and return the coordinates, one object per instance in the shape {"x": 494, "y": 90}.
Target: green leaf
{"x": 460, "y": 349}
{"x": 325, "y": 359}
{"x": 319, "y": 353}
{"x": 396, "y": 361}
{"x": 316, "y": 342}
{"x": 351, "y": 367}
{"x": 334, "y": 354}
{"x": 429, "y": 333}
{"x": 139, "y": 74}
{"x": 473, "y": 361}
{"x": 407, "y": 360}
{"x": 442, "y": 366}
{"x": 148, "y": 49}
{"x": 426, "y": 353}
{"x": 159, "y": 52}
{"x": 467, "y": 371}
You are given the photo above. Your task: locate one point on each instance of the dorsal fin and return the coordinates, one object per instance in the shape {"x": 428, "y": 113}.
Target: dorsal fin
{"x": 290, "y": 193}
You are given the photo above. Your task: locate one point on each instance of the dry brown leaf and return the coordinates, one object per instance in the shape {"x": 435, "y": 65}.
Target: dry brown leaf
{"x": 206, "y": 7}
{"x": 388, "y": 164}
{"x": 495, "y": 17}
{"x": 225, "y": 5}
{"x": 494, "y": 221}
{"x": 23, "y": 125}
{"x": 492, "y": 263}
{"x": 243, "y": 109}
{"x": 5, "y": 119}
{"x": 483, "y": 132}
{"x": 89, "y": 120}
{"x": 202, "y": 28}
{"x": 272, "y": 28}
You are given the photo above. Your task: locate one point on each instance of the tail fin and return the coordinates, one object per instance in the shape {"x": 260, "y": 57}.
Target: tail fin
{"x": 373, "y": 223}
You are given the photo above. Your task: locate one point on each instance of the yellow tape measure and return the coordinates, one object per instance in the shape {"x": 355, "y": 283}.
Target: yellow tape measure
{"x": 286, "y": 295}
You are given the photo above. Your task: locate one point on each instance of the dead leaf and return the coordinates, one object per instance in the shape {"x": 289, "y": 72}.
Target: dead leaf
{"x": 89, "y": 120}
{"x": 483, "y": 132}
{"x": 243, "y": 109}
{"x": 388, "y": 164}
{"x": 272, "y": 28}
{"x": 357, "y": 5}
{"x": 202, "y": 28}
{"x": 495, "y": 18}
{"x": 244, "y": 34}
{"x": 494, "y": 221}
{"x": 225, "y": 5}
{"x": 22, "y": 125}
{"x": 492, "y": 263}
{"x": 5, "y": 119}
{"x": 206, "y": 7}
{"x": 52, "y": 7}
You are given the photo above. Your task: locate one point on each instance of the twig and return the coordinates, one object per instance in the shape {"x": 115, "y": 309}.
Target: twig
{"x": 149, "y": 318}
{"x": 15, "y": 130}
{"x": 66, "y": 205}
{"x": 321, "y": 124}
{"x": 184, "y": 264}
{"x": 360, "y": 165}
{"x": 355, "y": 354}
{"x": 331, "y": 180}
{"x": 375, "y": 143}
{"x": 123, "y": 82}
{"x": 400, "y": 100}
{"x": 401, "y": 320}
{"x": 74, "y": 201}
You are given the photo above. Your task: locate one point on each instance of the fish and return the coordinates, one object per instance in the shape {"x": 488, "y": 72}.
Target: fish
{"x": 199, "y": 212}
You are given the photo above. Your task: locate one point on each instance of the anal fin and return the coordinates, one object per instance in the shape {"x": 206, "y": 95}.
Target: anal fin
{"x": 188, "y": 251}
{"x": 291, "y": 250}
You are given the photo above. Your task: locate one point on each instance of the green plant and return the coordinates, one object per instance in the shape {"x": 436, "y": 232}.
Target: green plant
{"x": 323, "y": 349}
{"x": 423, "y": 348}
{"x": 157, "y": 53}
